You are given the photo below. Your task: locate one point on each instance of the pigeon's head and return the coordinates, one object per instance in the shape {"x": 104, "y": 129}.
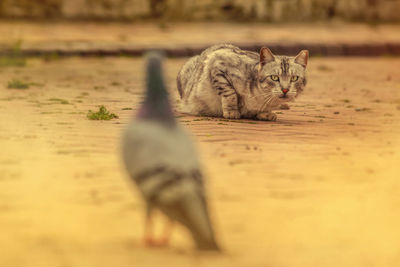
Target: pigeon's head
{"x": 156, "y": 105}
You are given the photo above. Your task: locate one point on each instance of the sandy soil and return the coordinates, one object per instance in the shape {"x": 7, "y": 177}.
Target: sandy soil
{"x": 319, "y": 187}
{"x": 92, "y": 35}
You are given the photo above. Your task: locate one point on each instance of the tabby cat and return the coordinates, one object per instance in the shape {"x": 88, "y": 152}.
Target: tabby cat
{"x": 225, "y": 81}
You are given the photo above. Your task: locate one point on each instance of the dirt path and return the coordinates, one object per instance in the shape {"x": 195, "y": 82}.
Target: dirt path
{"x": 319, "y": 187}
{"x": 108, "y": 36}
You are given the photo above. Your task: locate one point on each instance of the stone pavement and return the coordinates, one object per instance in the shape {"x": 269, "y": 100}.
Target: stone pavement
{"x": 186, "y": 39}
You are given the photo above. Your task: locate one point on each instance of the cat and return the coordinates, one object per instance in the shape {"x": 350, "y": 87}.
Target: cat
{"x": 225, "y": 81}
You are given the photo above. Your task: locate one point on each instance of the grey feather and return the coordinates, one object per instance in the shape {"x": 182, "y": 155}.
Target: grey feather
{"x": 161, "y": 159}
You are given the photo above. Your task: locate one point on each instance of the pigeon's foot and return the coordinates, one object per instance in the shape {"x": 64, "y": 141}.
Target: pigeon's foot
{"x": 153, "y": 243}
{"x": 150, "y": 242}
{"x": 148, "y": 239}
{"x": 164, "y": 242}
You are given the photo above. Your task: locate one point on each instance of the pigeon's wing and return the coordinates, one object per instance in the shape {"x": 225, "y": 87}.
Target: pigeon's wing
{"x": 148, "y": 147}
{"x": 189, "y": 207}
{"x": 164, "y": 165}
{"x": 161, "y": 159}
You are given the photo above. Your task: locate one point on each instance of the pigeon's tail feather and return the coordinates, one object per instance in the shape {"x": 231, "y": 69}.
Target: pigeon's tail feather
{"x": 156, "y": 105}
{"x": 192, "y": 212}
{"x": 201, "y": 227}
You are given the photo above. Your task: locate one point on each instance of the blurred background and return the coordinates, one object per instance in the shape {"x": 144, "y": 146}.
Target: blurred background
{"x": 318, "y": 187}
{"x": 219, "y": 10}
{"x": 184, "y": 28}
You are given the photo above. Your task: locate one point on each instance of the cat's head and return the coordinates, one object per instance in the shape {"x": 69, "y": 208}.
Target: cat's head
{"x": 282, "y": 77}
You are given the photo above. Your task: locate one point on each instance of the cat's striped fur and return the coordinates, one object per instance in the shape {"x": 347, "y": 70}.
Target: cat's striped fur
{"x": 227, "y": 81}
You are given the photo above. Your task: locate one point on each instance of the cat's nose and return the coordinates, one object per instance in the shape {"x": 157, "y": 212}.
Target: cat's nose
{"x": 285, "y": 90}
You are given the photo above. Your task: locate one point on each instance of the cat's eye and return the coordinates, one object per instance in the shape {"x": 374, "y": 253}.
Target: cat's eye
{"x": 294, "y": 78}
{"x": 275, "y": 78}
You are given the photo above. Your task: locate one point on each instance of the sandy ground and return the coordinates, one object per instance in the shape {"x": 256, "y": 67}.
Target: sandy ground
{"x": 319, "y": 187}
{"x": 92, "y": 35}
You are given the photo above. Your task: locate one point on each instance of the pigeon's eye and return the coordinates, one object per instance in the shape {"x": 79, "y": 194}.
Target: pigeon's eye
{"x": 275, "y": 78}
{"x": 294, "y": 78}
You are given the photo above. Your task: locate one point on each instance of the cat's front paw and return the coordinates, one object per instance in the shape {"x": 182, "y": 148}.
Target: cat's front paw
{"x": 270, "y": 116}
{"x": 232, "y": 114}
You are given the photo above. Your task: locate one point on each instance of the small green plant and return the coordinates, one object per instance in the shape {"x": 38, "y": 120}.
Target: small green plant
{"x": 9, "y": 61}
{"x": 14, "y": 58}
{"x": 102, "y": 114}
{"x": 17, "y": 84}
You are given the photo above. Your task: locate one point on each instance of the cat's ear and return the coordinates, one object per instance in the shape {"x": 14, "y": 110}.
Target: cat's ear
{"x": 266, "y": 55}
{"x": 302, "y": 58}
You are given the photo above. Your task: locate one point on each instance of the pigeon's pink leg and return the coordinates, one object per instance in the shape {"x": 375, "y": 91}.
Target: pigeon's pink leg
{"x": 167, "y": 234}
{"x": 148, "y": 231}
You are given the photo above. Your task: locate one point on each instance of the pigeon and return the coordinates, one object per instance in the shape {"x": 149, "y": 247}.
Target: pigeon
{"x": 160, "y": 158}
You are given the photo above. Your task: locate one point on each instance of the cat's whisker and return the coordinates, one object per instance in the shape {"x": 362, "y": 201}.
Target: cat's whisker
{"x": 275, "y": 101}
{"x": 265, "y": 103}
{"x": 243, "y": 83}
